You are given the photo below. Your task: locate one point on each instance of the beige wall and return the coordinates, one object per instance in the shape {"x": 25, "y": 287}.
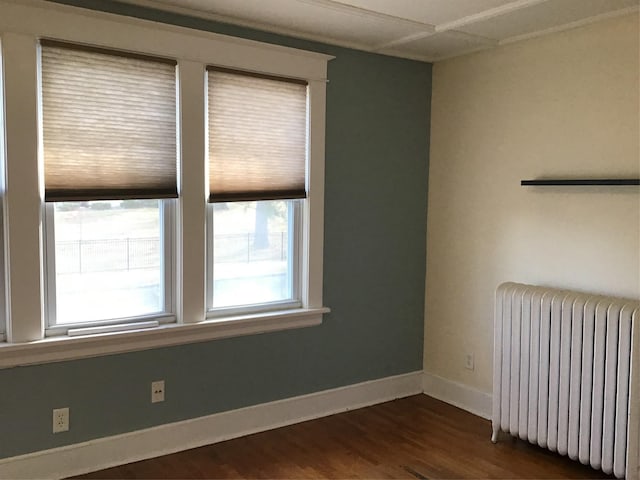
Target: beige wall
{"x": 563, "y": 105}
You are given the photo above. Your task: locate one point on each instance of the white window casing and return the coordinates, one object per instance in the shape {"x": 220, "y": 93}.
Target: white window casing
{"x": 117, "y": 143}
{"x": 3, "y": 309}
{"x": 192, "y": 189}
{"x": 22, "y": 24}
{"x": 23, "y": 196}
{"x": 258, "y": 129}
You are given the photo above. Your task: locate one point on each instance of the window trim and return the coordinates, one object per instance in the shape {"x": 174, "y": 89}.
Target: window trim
{"x": 3, "y": 298}
{"x": 57, "y": 349}
{"x": 3, "y": 243}
{"x": 21, "y": 25}
{"x": 167, "y": 315}
{"x": 297, "y": 279}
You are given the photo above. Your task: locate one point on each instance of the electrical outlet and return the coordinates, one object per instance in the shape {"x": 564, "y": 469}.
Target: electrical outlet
{"x": 468, "y": 361}
{"x": 60, "y": 420}
{"x": 157, "y": 391}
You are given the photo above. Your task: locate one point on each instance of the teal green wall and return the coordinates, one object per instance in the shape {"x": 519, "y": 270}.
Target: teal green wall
{"x": 378, "y": 111}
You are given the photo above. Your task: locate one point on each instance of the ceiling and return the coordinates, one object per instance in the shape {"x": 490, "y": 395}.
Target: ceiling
{"x": 428, "y": 30}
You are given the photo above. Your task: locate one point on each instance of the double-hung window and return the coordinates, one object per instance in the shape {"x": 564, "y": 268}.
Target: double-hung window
{"x": 257, "y": 138}
{"x": 108, "y": 130}
{"x": 155, "y": 177}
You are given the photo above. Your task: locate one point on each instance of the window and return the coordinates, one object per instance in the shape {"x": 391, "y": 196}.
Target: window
{"x": 109, "y": 143}
{"x": 254, "y": 252}
{"x": 145, "y": 188}
{"x": 257, "y": 190}
{"x": 109, "y": 259}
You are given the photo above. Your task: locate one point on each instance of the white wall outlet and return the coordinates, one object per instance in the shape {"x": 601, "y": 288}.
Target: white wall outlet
{"x": 468, "y": 361}
{"x": 60, "y": 420}
{"x": 157, "y": 391}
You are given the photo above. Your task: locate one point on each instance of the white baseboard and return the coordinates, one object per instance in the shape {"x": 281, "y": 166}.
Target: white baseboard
{"x": 174, "y": 437}
{"x": 462, "y": 396}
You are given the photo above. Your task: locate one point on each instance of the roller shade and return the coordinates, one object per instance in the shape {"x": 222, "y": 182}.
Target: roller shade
{"x": 257, "y": 137}
{"x": 109, "y": 124}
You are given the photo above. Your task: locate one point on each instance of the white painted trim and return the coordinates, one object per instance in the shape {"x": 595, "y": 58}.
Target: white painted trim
{"x": 480, "y": 41}
{"x": 312, "y": 258}
{"x": 487, "y": 14}
{"x": 633, "y": 421}
{"x": 193, "y": 180}
{"x": 466, "y": 51}
{"x": 56, "y": 349}
{"x": 414, "y": 37}
{"x": 77, "y": 332}
{"x": 22, "y": 236}
{"x": 364, "y": 12}
{"x": 174, "y": 437}
{"x": 462, "y": 396}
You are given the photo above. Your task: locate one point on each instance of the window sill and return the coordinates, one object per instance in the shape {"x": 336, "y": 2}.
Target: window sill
{"x": 58, "y": 349}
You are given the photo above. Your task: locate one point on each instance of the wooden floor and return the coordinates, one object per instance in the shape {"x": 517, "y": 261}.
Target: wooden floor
{"x": 415, "y": 437}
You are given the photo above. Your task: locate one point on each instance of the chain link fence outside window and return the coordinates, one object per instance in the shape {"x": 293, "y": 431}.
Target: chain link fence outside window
{"x": 84, "y": 256}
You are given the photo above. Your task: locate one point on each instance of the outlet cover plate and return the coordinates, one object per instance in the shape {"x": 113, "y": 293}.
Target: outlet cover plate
{"x": 60, "y": 420}
{"x": 157, "y": 391}
{"x": 469, "y": 363}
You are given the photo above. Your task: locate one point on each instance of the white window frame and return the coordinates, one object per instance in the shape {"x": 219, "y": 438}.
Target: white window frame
{"x": 3, "y": 309}
{"x": 3, "y": 303}
{"x": 295, "y": 248}
{"x": 167, "y": 230}
{"x": 21, "y": 25}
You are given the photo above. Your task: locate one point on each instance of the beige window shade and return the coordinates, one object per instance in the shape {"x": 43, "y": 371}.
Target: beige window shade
{"x": 109, "y": 124}
{"x": 257, "y": 137}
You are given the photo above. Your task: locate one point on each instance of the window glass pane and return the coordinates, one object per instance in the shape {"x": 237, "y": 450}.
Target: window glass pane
{"x": 108, "y": 260}
{"x": 253, "y": 252}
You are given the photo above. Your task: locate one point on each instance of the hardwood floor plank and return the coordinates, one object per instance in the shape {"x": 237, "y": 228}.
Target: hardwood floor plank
{"x": 415, "y": 438}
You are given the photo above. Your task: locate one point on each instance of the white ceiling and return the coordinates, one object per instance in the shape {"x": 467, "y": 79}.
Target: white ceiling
{"x": 428, "y": 30}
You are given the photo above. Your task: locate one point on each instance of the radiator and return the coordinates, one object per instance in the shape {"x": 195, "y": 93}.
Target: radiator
{"x": 566, "y": 374}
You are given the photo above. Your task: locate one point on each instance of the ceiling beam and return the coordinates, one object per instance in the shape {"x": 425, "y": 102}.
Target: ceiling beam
{"x": 476, "y": 40}
{"x": 487, "y": 14}
{"x": 402, "y": 40}
{"x": 364, "y": 12}
{"x": 472, "y": 38}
